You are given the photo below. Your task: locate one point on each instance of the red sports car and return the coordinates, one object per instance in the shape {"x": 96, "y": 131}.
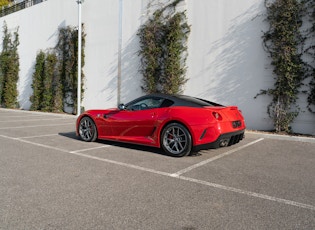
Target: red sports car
{"x": 177, "y": 123}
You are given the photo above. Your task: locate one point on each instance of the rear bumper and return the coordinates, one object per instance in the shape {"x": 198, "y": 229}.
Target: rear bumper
{"x": 226, "y": 139}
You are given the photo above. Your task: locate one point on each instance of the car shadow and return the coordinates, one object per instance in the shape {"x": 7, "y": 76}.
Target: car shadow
{"x": 72, "y": 135}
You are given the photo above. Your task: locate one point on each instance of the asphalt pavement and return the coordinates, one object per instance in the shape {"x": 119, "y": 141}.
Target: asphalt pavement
{"x": 49, "y": 179}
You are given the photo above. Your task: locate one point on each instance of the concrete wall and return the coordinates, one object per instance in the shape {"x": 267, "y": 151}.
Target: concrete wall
{"x": 226, "y": 62}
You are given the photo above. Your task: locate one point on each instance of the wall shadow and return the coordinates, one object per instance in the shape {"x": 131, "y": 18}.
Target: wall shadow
{"x": 25, "y": 84}
{"x": 130, "y": 87}
{"x": 238, "y": 72}
{"x": 131, "y": 77}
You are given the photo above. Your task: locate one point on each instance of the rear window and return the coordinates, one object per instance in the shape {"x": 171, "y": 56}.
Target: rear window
{"x": 166, "y": 103}
{"x": 198, "y": 101}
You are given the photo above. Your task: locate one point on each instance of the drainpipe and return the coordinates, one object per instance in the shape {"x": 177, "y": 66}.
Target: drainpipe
{"x": 119, "y": 52}
{"x": 79, "y": 57}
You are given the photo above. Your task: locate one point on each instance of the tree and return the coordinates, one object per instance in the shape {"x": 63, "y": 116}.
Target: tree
{"x": 4, "y": 3}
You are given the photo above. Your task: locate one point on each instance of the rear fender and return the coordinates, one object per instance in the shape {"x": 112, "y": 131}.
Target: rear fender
{"x": 179, "y": 121}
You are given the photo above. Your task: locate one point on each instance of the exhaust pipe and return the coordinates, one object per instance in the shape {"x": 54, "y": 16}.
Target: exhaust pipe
{"x": 224, "y": 143}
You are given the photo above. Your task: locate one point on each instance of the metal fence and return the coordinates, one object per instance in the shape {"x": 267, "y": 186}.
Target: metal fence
{"x": 5, "y": 10}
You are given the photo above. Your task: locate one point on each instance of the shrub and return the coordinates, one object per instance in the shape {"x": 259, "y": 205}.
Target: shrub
{"x": 163, "y": 45}
{"x": 37, "y": 85}
{"x": 55, "y": 76}
{"x": 9, "y": 69}
{"x": 282, "y": 42}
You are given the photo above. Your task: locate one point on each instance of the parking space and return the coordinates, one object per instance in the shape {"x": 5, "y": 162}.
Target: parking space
{"x": 49, "y": 179}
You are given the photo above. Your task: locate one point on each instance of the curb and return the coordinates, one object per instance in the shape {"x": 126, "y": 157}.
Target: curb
{"x": 282, "y": 137}
{"x": 40, "y": 113}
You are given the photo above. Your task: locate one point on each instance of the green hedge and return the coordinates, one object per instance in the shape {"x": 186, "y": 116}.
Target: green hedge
{"x": 163, "y": 46}
{"x": 282, "y": 42}
{"x": 55, "y": 76}
{"x": 9, "y": 69}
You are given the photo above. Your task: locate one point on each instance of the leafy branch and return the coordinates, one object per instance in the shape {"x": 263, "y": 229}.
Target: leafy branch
{"x": 163, "y": 50}
{"x": 55, "y": 76}
{"x": 9, "y": 69}
{"x": 282, "y": 42}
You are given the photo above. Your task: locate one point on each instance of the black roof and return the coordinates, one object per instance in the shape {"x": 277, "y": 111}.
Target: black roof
{"x": 181, "y": 100}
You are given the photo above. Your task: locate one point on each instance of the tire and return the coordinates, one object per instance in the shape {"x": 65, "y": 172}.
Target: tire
{"x": 176, "y": 140}
{"x": 87, "y": 129}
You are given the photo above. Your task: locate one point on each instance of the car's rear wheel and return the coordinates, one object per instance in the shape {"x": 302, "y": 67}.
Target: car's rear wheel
{"x": 176, "y": 140}
{"x": 87, "y": 129}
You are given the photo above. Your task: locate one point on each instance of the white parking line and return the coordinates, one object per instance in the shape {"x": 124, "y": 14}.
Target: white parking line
{"x": 121, "y": 164}
{"x": 214, "y": 158}
{"x": 36, "y": 144}
{"x": 35, "y": 126}
{"x": 252, "y": 194}
{"x": 84, "y": 150}
{"x": 47, "y": 135}
{"x": 209, "y": 184}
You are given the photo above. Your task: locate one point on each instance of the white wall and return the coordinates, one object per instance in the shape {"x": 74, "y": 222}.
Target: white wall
{"x": 38, "y": 29}
{"x": 226, "y": 61}
{"x": 101, "y": 23}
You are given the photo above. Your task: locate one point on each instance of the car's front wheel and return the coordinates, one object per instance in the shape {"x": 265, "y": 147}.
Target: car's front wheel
{"x": 176, "y": 140}
{"x": 87, "y": 129}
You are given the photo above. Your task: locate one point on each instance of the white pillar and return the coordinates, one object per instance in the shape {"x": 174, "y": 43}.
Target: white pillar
{"x": 79, "y": 57}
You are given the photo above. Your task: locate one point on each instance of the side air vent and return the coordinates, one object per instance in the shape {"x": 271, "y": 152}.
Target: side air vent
{"x": 203, "y": 134}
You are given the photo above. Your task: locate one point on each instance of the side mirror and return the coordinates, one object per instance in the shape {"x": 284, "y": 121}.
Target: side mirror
{"x": 121, "y": 107}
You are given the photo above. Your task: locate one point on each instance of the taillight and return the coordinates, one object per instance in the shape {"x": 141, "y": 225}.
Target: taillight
{"x": 217, "y": 116}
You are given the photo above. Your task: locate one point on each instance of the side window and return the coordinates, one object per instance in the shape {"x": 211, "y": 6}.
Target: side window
{"x": 166, "y": 103}
{"x": 147, "y": 103}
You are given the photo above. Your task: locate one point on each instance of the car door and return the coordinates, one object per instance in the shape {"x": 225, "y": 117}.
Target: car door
{"x": 137, "y": 120}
